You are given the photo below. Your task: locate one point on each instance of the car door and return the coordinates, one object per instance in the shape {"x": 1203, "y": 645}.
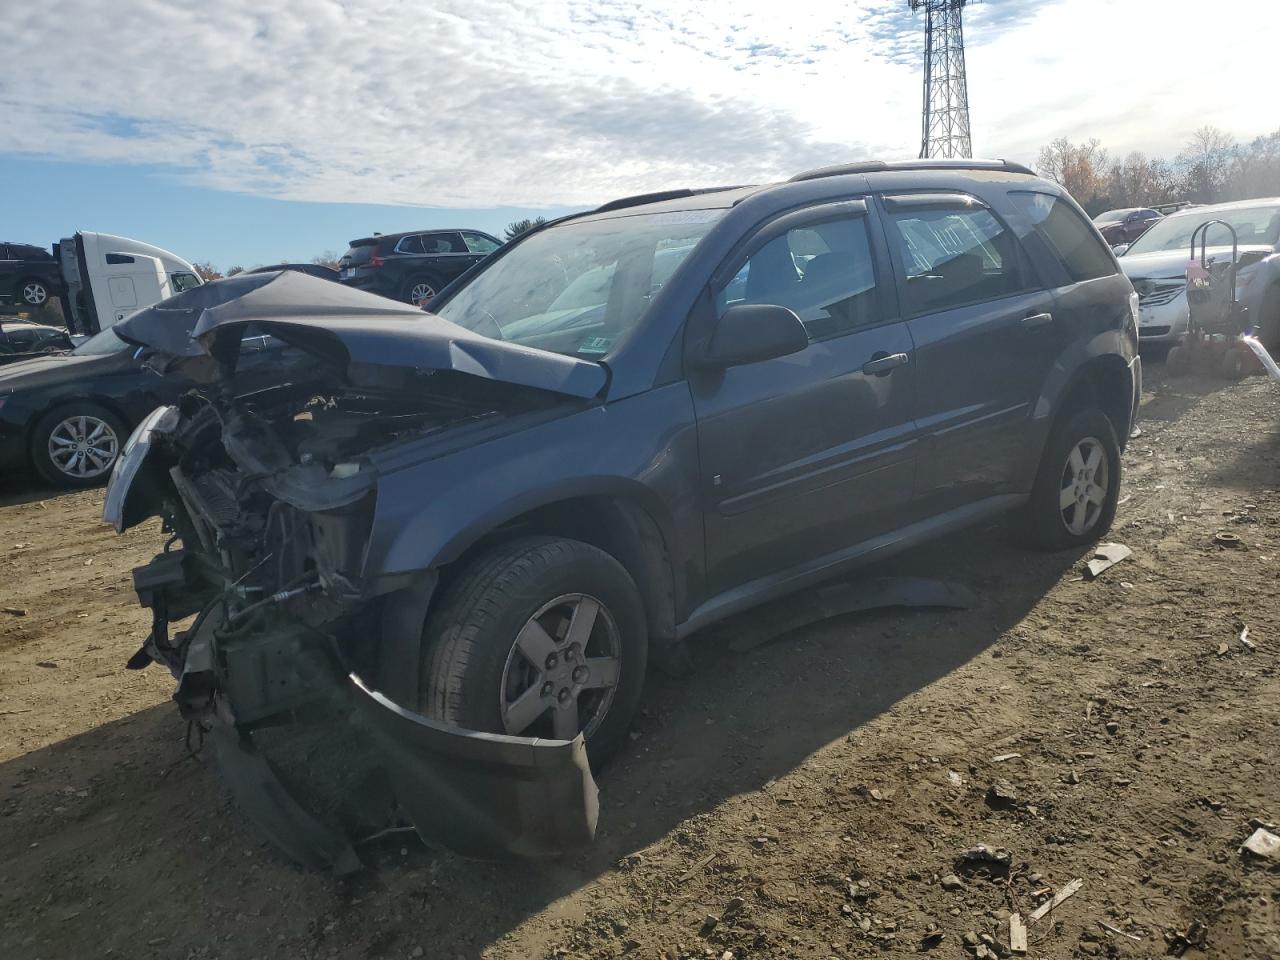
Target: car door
{"x": 807, "y": 455}
{"x": 985, "y": 337}
{"x": 479, "y": 246}
{"x": 447, "y": 254}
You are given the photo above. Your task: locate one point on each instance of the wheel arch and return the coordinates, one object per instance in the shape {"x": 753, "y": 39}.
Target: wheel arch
{"x": 616, "y": 523}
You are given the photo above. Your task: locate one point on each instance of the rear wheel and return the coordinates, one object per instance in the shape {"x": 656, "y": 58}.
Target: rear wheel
{"x": 77, "y": 445}
{"x": 1176, "y": 361}
{"x": 541, "y": 637}
{"x": 1073, "y": 502}
{"x": 1234, "y": 365}
{"x": 420, "y": 290}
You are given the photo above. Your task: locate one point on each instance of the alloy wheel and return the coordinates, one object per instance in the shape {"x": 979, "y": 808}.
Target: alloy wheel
{"x": 421, "y": 292}
{"x": 34, "y": 293}
{"x": 562, "y": 671}
{"x": 83, "y": 447}
{"x": 1086, "y": 479}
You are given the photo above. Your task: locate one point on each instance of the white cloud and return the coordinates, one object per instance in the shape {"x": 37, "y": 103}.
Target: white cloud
{"x": 494, "y": 102}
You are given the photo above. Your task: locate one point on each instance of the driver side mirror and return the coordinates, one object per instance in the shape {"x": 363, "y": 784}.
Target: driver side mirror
{"x": 751, "y": 332}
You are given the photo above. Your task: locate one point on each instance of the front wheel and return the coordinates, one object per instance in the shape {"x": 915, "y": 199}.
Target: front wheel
{"x": 1073, "y": 502}
{"x": 541, "y": 637}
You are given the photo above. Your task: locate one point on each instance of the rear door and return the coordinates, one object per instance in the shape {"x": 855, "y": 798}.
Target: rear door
{"x": 447, "y": 254}
{"x": 807, "y": 455}
{"x": 985, "y": 338}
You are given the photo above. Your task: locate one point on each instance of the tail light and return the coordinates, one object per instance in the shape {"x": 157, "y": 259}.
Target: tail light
{"x": 375, "y": 261}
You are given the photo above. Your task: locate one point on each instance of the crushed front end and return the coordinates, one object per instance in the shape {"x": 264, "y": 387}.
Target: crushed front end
{"x": 264, "y": 612}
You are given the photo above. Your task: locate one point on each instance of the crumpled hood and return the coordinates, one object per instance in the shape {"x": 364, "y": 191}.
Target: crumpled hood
{"x": 346, "y": 326}
{"x": 1172, "y": 264}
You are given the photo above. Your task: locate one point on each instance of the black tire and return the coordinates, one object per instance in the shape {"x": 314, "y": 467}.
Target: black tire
{"x": 413, "y": 284}
{"x": 1234, "y": 364}
{"x": 51, "y": 421}
{"x": 1176, "y": 361}
{"x": 472, "y": 638}
{"x": 1045, "y": 521}
{"x": 33, "y": 292}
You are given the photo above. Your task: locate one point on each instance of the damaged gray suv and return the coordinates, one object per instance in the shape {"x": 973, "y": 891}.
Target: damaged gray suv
{"x": 467, "y": 532}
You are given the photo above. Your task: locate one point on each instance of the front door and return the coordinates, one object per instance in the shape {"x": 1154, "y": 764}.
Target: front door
{"x": 985, "y": 337}
{"x": 807, "y": 455}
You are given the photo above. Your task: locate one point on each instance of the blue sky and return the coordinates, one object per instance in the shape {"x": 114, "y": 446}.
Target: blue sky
{"x": 255, "y": 131}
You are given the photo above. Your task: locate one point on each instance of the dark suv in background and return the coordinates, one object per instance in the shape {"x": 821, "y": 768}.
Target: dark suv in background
{"x": 1125, "y": 226}
{"x": 414, "y": 266}
{"x": 472, "y": 528}
{"x": 29, "y": 275}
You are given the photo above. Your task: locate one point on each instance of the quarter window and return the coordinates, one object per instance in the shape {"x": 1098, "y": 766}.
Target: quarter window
{"x": 954, "y": 256}
{"x": 411, "y": 244}
{"x": 822, "y": 271}
{"x": 1083, "y": 254}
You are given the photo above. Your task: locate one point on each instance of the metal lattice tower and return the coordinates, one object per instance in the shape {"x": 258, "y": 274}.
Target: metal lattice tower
{"x": 945, "y": 128}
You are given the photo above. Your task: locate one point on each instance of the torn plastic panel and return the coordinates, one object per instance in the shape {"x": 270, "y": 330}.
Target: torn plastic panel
{"x": 349, "y": 328}
{"x": 484, "y": 795}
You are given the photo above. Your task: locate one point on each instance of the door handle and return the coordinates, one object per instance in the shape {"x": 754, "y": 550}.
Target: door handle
{"x": 1033, "y": 320}
{"x": 882, "y": 364}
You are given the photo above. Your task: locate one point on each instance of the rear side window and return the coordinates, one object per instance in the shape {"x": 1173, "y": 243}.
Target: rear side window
{"x": 953, "y": 256}
{"x": 1083, "y": 255}
{"x": 823, "y": 272}
{"x": 443, "y": 243}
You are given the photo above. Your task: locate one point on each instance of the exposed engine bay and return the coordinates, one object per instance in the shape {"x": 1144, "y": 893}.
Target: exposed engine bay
{"x": 268, "y": 499}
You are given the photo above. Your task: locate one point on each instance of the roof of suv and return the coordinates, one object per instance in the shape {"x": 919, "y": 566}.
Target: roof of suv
{"x": 366, "y": 241}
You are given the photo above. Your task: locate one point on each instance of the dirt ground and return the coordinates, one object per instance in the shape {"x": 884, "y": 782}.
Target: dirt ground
{"x": 804, "y": 799}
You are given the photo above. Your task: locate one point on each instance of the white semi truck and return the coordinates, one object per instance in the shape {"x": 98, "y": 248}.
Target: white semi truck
{"x": 106, "y": 278}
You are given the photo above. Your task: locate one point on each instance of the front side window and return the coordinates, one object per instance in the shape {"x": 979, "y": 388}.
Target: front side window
{"x": 443, "y": 243}
{"x": 183, "y": 281}
{"x": 823, "y": 272}
{"x": 579, "y": 288}
{"x": 953, "y": 256}
{"x": 1082, "y": 254}
{"x": 479, "y": 244}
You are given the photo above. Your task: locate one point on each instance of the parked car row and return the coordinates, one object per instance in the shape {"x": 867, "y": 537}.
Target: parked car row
{"x": 413, "y": 266}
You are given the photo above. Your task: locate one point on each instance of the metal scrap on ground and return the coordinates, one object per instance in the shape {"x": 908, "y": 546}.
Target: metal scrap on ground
{"x": 1263, "y": 843}
{"x": 1059, "y": 898}
{"x": 1106, "y": 556}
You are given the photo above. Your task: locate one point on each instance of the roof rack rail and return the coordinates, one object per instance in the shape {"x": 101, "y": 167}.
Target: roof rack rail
{"x": 642, "y": 198}
{"x": 880, "y": 166}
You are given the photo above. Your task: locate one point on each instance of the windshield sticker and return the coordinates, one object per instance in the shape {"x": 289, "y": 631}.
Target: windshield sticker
{"x": 596, "y": 345}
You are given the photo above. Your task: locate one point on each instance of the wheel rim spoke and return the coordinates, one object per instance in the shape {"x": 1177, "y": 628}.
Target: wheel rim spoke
{"x": 526, "y": 710}
{"x": 1077, "y": 518}
{"x": 535, "y": 643}
{"x": 1076, "y": 460}
{"x": 1094, "y": 461}
{"x": 1067, "y": 497}
{"x": 602, "y": 672}
{"x": 1096, "y": 496}
{"x": 580, "y": 626}
{"x": 564, "y": 720}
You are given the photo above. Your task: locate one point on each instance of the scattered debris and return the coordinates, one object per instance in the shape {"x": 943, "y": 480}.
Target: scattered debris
{"x": 709, "y": 924}
{"x": 695, "y": 869}
{"x": 1117, "y": 931}
{"x": 985, "y": 860}
{"x": 951, "y": 882}
{"x": 883, "y": 793}
{"x": 1112, "y": 727}
{"x": 1017, "y": 934}
{"x": 47, "y": 664}
{"x": 15, "y": 611}
{"x": 1225, "y": 538}
{"x": 1263, "y": 843}
{"x": 1222, "y": 649}
{"x": 1059, "y": 898}
{"x": 1001, "y": 795}
{"x": 1005, "y": 756}
{"x": 931, "y": 939}
{"x": 733, "y": 907}
{"x": 1180, "y": 941}
{"x": 1106, "y": 556}
{"x": 1244, "y": 639}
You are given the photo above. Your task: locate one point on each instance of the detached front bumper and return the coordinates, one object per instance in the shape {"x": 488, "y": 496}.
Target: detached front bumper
{"x": 483, "y": 795}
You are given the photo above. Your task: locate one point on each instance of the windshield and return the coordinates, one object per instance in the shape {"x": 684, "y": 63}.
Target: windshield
{"x": 100, "y": 343}
{"x": 1258, "y": 225}
{"x": 579, "y": 288}
{"x": 1112, "y": 216}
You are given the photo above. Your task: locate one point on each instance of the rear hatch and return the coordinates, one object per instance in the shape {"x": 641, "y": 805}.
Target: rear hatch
{"x": 358, "y": 255}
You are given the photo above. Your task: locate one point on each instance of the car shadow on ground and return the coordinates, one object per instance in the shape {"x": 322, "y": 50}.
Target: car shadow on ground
{"x": 155, "y": 835}
{"x": 22, "y": 487}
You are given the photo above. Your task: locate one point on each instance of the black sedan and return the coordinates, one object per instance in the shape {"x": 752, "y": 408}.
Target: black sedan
{"x": 20, "y": 340}
{"x": 68, "y": 415}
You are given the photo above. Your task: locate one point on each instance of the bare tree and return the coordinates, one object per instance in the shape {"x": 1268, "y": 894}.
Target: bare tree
{"x": 1206, "y": 162}
{"x": 1140, "y": 181}
{"x": 232, "y": 271}
{"x": 1080, "y": 168}
{"x": 207, "y": 271}
{"x": 327, "y": 259}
